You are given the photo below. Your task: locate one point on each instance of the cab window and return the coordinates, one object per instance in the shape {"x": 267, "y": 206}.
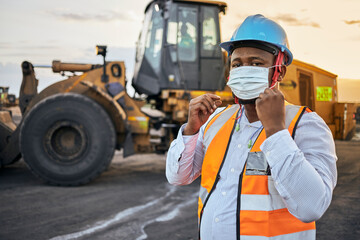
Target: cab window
{"x": 187, "y": 34}
{"x": 153, "y": 42}
{"x": 209, "y": 38}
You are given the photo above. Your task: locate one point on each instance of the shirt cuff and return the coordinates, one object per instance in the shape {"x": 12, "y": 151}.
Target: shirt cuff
{"x": 278, "y": 146}
{"x": 181, "y": 146}
{"x": 189, "y": 141}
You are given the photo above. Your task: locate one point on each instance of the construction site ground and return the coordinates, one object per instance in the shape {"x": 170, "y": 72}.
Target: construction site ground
{"x": 132, "y": 200}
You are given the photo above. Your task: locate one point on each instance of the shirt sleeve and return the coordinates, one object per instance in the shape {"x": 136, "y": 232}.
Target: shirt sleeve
{"x": 184, "y": 158}
{"x": 304, "y": 168}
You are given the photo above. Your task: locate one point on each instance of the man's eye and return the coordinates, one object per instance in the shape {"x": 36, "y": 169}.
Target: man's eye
{"x": 256, "y": 64}
{"x": 235, "y": 65}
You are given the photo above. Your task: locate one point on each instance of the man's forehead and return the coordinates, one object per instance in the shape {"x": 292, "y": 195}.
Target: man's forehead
{"x": 250, "y": 52}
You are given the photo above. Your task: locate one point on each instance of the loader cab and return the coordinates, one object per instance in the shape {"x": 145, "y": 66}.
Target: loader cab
{"x": 178, "y": 47}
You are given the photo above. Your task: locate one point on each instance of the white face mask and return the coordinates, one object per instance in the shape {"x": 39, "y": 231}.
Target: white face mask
{"x": 248, "y": 82}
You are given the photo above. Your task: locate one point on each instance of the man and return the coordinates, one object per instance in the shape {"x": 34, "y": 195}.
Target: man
{"x": 186, "y": 39}
{"x": 268, "y": 168}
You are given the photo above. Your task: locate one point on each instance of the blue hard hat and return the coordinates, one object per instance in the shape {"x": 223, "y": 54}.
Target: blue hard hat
{"x": 257, "y": 28}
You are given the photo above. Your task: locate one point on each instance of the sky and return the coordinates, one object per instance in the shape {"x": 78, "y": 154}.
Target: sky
{"x": 325, "y": 33}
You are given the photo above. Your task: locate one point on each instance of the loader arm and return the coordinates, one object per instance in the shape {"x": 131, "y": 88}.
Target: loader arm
{"x": 28, "y": 87}
{"x": 9, "y": 133}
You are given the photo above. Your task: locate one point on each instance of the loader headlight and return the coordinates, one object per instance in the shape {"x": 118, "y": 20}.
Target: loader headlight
{"x": 101, "y": 50}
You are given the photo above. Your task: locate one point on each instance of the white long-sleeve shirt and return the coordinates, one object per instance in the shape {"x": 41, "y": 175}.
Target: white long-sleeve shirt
{"x": 303, "y": 169}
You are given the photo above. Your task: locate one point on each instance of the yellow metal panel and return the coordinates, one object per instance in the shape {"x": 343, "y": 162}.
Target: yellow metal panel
{"x": 76, "y": 82}
{"x": 314, "y": 68}
{"x": 322, "y": 104}
{"x": 139, "y": 124}
{"x": 219, "y": 93}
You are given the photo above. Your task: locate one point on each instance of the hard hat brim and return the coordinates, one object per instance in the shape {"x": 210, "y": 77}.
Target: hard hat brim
{"x": 229, "y": 46}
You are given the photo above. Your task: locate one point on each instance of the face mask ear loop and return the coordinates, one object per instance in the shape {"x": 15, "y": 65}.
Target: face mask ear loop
{"x": 277, "y": 71}
{"x": 240, "y": 113}
{"x": 237, "y": 102}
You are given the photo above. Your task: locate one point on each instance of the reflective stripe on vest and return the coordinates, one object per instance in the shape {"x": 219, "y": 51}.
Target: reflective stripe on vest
{"x": 261, "y": 211}
{"x": 305, "y": 235}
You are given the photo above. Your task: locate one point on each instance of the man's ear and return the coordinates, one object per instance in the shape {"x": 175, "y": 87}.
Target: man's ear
{"x": 282, "y": 73}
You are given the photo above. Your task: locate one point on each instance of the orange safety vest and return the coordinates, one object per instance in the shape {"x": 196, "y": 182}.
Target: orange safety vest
{"x": 261, "y": 212}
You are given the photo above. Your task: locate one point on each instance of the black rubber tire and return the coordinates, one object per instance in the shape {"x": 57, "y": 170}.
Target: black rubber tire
{"x": 67, "y": 139}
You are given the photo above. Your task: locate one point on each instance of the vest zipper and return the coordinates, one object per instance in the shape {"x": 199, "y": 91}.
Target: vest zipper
{"x": 218, "y": 174}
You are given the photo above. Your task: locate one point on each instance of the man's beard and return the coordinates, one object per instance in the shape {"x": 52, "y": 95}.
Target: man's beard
{"x": 247, "y": 101}
{"x": 244, "y": 101}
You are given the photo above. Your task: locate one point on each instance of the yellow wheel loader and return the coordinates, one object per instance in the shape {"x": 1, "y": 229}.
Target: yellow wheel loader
{"x": 70, "y": 130}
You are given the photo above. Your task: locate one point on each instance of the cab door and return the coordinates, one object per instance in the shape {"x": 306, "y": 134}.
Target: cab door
{"x": 211, "y": 62}
{"x": 192, "y": 56}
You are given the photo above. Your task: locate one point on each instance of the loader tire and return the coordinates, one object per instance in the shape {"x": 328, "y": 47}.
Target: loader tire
{"x": 67, "y": 139}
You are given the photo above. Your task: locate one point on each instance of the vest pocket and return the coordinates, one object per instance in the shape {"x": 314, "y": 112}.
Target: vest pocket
{"x": 256, "y": 164}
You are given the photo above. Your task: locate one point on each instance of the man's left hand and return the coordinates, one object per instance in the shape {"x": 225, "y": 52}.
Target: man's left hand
{"x": 270, "y": 108}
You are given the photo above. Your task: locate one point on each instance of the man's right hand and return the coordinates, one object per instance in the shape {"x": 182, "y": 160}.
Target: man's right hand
{"x": 200, "y": 109}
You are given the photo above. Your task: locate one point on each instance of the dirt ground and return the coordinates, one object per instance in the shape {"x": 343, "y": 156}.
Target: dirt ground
{"x": 132, "y": 200}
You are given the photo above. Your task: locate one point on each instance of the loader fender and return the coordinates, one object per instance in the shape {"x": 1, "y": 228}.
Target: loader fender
{"x": 117, "y": 114}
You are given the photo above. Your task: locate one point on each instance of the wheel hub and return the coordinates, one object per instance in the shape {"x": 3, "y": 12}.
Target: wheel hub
{"x": 65, "y": 141}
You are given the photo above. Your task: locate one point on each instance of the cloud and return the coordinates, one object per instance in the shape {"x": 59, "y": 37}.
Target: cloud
{"x": 26, "y": 45}
{"x": 106, "y": 16}
{"x": 17, "y": 50}
{"x": 352, "y": 22}
{"x": 289, "y": 19}
{"x": 293, "y": 21}
{"x": 355, "y": 38}
{"x": 5, "y": 45}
